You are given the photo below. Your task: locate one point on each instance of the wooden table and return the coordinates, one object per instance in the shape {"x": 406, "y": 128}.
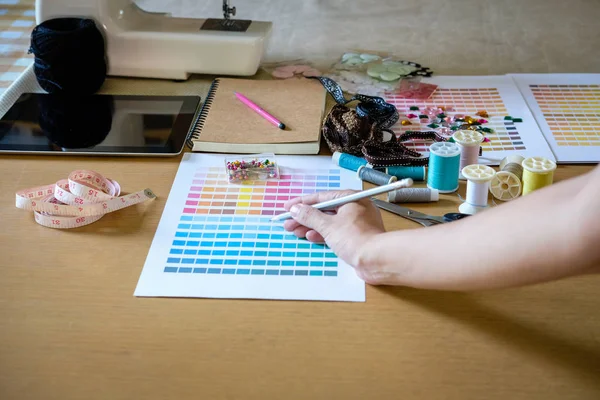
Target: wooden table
{"x": 70, "y": 327}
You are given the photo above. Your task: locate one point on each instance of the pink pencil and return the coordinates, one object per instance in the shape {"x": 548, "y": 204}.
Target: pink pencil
{"x": 260, "y": 111}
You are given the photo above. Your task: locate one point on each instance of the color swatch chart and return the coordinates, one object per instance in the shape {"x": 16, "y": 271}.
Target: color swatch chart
{"x": 497, "y": 95}
{"x": 567, "y": 108}
{"x": 216, "y": 238}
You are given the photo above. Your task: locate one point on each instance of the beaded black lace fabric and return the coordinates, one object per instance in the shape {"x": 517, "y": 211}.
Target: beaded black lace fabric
{"x": 344, "y": 132}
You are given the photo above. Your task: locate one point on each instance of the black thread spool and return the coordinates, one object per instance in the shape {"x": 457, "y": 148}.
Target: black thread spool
{"x": 75, "y": 122}
{"x": 375, "y": 177}
{"x": 70, "y": 56}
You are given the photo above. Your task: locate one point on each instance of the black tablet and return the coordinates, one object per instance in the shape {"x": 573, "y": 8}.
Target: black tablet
{"x": 98, "y": 124}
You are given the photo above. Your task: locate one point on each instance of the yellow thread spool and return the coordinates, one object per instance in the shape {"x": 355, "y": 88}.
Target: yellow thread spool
{"x": 538, "y": 172}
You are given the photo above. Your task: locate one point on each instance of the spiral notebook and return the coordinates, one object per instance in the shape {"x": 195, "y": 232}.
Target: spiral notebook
{"x": 226, "y": 125}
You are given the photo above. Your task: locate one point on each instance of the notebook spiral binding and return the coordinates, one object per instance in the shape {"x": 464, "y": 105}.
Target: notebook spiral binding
{"x": 201, "y": 117}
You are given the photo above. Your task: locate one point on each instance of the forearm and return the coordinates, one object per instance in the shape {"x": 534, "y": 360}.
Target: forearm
{"x": 537, "y": 238}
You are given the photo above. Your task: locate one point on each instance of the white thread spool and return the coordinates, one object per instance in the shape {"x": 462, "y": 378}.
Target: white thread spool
{"x": 469, "y": 143}
{"x": 506, "y": 184}
{"x": 478, "y": 185}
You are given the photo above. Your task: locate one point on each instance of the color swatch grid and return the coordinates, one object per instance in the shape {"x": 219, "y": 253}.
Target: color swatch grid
{"x": 566, "y": 108}
{"x": 572, "y": 112}
{"x": 498, "y": 95}
{"x": 465, "y": 101}
{"x": 225, "y": 228}
{"x": 215, "y": 239}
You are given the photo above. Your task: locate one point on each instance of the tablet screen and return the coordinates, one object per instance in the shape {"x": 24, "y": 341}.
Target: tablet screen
{"x": 98, "y": 124}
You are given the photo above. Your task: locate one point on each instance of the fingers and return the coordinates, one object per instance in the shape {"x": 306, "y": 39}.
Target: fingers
{"x": 301, "y": 231}
{"x": 317, "y": 197}
{"x": 288, "y": 204}
{"x": 314, "y": 236}
{"x": 290, "y": 225}
{"x": 312, "y": 218}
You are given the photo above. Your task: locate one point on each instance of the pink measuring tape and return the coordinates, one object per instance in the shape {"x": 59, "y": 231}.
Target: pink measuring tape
{"x": 83, "y": 198}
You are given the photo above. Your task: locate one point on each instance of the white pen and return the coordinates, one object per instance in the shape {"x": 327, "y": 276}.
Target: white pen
{"x": 404, "y": 183}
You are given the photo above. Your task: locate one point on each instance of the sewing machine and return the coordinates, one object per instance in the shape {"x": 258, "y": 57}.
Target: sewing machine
{"x": 157, "y": 45}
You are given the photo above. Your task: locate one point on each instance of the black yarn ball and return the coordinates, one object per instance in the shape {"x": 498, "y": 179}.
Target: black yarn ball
{"x": 70, "y": 55}
{"x": 75, "y": 122}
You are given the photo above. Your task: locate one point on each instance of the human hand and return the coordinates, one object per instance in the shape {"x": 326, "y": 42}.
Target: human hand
{"x": 345, "y": 230}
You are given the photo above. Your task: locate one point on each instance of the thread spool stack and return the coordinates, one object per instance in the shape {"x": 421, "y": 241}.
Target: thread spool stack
{"x": 469, "y": 143}
{"x": 374, "y": 176}
{"x": 506, "y": 184}
{"x": 443, "y": 170}
{"x": 413, "y": 195}
{"x": 538, "y": 172}
{"x": 478, "y": 184}
{"x": 348, "y": 161}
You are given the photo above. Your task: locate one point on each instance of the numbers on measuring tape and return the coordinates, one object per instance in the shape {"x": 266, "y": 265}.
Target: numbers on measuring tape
{"x": 76, "y": 201}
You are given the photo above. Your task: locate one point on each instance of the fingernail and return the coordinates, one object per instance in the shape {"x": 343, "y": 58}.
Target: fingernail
{"x": 294, "y": 210}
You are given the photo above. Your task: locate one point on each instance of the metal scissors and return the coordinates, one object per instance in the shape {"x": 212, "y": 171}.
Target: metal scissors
{"x": 423, "y": 219}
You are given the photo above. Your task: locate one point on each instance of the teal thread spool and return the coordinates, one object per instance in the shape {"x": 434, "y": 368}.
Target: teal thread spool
{"x": 402, "y": 172}
{"x": 444, "y": 167}
{"x": 348, "y": 161}
{"x": 353, "y": 163}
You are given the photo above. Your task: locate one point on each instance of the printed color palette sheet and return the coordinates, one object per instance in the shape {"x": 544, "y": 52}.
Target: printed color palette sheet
{"x": 499, "y": 96}
{"x": 567, "y": 109}
{"x": 215, "y": 239}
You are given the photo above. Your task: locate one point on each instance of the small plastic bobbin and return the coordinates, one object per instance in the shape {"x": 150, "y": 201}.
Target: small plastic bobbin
{"x": 478, "y": 183}
{"x": 469, "y": 143}
{"x": 507, "y": 183}
{"x": 505, "y": 186}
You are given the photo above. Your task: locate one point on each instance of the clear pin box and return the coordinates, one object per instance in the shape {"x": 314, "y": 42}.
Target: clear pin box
{"x": 252, "y": 167}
